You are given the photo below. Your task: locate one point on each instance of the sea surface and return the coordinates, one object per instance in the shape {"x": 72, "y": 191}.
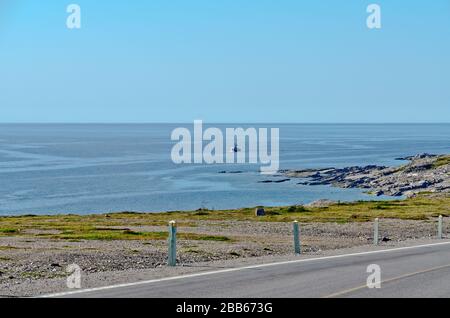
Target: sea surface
{"x": 99, "y": 168}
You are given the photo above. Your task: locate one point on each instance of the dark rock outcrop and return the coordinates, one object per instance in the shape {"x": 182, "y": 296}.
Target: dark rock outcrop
{"x": 425, "y": 172}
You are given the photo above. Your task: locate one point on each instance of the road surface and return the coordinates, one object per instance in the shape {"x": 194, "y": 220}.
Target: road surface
{"x": 420, "y": 271}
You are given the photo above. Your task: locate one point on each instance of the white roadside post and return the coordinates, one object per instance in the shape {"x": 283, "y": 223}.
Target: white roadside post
{"x": 375, "y": 231}
{"x": 440, "y": 227}
{"x": 172, "y": 261}
{"x": 297, "y": 238}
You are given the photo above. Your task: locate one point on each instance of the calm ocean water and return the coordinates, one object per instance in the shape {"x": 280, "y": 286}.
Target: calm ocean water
{"x": 49, "y": 169}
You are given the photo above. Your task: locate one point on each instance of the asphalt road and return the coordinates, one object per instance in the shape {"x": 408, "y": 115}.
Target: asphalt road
{"x": 422, "y": 271}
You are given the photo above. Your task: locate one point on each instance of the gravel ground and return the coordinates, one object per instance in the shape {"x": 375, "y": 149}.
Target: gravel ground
{"x": 36, "y": 266}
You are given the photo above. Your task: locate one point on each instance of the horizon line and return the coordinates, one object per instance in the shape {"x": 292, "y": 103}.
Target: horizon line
{"x": 221, "y": 123}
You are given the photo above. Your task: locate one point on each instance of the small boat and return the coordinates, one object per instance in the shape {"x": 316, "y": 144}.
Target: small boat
{"x": 235, "y": 149}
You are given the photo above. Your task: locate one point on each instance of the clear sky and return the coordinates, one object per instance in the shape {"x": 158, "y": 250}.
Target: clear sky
{"x": 224, "y": 61}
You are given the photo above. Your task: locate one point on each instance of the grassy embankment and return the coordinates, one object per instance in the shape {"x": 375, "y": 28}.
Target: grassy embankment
{"x": 115, "y": 226}
{"x": 441, "y": 161}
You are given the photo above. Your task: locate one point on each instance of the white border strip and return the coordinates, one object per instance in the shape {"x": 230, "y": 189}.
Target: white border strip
{"x": 238, "y": 269}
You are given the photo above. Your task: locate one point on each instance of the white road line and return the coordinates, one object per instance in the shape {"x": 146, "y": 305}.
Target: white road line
{"x": 83, "y": 291}
{"x": 390, "y": 280}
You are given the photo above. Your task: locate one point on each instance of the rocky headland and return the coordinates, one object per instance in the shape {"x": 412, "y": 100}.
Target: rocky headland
{"x": 423, "y": 173}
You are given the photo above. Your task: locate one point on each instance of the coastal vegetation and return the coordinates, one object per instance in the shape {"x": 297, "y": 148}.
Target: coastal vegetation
{"x": 119, "y": 226}
{"x": 441, "y": 161}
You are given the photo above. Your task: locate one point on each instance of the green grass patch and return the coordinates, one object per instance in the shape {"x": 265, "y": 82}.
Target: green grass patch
{"x": 114, "y": 234}
{"x": 117, "y": 226}
{"x": 297, "y": 209}
{"x": 201, "y": 213}
{"x": 214, "y": 238}
{"x": 441, "y": 161}
{"x": 191, "y": 251}
{"x": 8, "y": 248}
{"x": 8, "y": 231}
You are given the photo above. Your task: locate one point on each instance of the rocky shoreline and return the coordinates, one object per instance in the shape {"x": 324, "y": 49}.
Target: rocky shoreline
{"x": 424, "y": 173}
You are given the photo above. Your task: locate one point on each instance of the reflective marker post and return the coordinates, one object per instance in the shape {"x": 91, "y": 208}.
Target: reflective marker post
{"x": 297, "y": 238}
{"x": 375, "y": 231}
{"x": 172, "y": 243}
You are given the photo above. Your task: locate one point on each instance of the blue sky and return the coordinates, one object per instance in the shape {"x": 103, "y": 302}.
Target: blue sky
{"x": 224, "y": 61}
